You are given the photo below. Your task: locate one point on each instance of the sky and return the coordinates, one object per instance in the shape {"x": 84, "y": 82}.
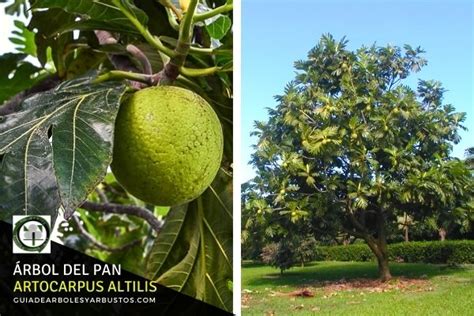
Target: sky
{"x": 276, "y": 33}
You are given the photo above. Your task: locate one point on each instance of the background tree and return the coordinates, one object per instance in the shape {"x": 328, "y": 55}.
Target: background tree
{"x": 57, "y": 116}
{"x": 350, "y": 144}
{"x": 470, "y": 157}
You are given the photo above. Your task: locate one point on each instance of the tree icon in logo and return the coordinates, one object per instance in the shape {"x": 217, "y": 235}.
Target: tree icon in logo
{"x": 33, "y": 232}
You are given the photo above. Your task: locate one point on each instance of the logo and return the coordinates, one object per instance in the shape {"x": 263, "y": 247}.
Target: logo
{"x": 31, "y": 234}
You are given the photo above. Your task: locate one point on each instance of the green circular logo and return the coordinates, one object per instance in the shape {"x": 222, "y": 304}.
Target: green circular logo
{"x": 32, "y": 233}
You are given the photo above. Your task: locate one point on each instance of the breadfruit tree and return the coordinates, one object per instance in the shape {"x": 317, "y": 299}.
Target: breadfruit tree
{"x": 350, "y": 144}
{"x": 76, "y": 64}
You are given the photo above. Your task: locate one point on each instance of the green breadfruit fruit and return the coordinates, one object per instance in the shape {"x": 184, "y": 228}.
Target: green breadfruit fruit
{"x": 168, "y": 145}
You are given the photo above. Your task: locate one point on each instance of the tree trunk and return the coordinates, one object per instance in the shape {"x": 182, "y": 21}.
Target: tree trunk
{"x": 384, "y": 270}
{"x": 442, "y": 234}
{"x": 379, "y": 249}
{"x": 377, "y": 245}
{"x": 406, "y": 227}
{"x": 347, "y": 240}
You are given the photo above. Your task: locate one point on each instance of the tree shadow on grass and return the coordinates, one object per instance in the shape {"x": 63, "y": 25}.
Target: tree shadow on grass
{"x": 317, "y": 272}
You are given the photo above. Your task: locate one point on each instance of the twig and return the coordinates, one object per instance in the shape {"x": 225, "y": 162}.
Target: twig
{"x": 103, "y": 198}
{"x": 172, "y": 18}
{"x": 134, "y": 77}
{"x": 138, "y": 211}
{"x": 100, "y": 245}
{"x": 209, "y": 14}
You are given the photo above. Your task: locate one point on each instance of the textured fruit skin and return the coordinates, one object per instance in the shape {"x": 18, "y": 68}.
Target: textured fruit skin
{"x": 168, "y": 145}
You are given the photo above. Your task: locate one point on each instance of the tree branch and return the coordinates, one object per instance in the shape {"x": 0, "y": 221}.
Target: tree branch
{"x": 138, "y": 211}
{"x": 97, "y": 243}
{"x": 357, "y": 225}
{"x": 103, "y": 198}
{"x": 354, "y": 233}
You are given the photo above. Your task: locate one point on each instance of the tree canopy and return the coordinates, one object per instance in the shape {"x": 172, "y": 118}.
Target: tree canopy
{"x": 350, "y": 147}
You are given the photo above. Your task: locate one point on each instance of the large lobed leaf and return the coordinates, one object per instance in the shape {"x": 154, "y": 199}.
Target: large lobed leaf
{"x": 46, "y": 25}
{"x": 23, "y": 38}
{"x": 54, "y": 26}
{"x": 193, "y": 252}
{"x": 38, "y": 173}
{"x": 100, "y": 15}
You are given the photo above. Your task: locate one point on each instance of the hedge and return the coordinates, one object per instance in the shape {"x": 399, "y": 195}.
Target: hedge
{"x": 448, "y": 251}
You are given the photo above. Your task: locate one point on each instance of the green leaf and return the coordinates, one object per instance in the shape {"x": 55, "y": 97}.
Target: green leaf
{"x": 17, "y": 7}
{"x": 103, "y": 15}
{"x": 24, "y": 38}
{"x": 193, "y": 252}
{"x": 46, "y": 24}
{"x": 219, "y": 28}
{"x": 16, "y": 75}
{"x": 80, "y": 117}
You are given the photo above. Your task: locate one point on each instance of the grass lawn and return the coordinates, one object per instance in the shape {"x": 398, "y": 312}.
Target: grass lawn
{"x": 349, "y": 288}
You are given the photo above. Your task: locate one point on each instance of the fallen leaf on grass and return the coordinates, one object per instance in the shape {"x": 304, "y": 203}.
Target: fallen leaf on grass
{"x": 375, "y": 286}
{"x": 246, "y": 299}
{"x": 297, "y": 293}
{"x": 299, "y": 307}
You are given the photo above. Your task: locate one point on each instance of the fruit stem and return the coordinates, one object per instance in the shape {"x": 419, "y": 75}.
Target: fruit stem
{"x": 119, "y": 75}
{"x": 229, "y": 6}
{"x": 150, "y": 38}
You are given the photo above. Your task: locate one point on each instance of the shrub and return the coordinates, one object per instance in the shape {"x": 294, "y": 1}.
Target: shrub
{"x": 450, "y": 252}
{"x": 287, "y": 252}
{"x": 304, "y": 250}
{"x": 269, "y": 253}
{"x": 279, "y": 255}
